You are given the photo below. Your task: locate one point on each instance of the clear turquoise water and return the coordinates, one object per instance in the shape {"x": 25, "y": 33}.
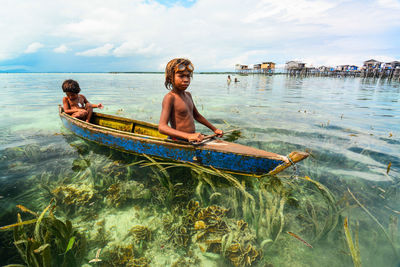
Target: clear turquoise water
{"x": 351, "y": 126}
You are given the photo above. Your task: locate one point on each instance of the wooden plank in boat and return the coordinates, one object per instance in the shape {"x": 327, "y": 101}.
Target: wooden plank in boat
{"x": 121, "y": 125}
{"x": 144, "y": 130}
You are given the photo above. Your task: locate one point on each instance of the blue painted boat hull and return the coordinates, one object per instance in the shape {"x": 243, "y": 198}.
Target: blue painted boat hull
{"x": 216, "y": 153}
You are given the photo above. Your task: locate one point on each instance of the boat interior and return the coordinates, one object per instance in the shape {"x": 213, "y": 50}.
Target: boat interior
{"x": 126, "y": 125}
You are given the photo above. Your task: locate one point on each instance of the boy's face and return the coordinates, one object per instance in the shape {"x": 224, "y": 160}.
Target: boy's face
{"x": 71, "y": 96}
{"x": 182, "y": 80}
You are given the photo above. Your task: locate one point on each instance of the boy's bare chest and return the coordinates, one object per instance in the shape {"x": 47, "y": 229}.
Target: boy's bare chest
{"x": 78, "y": 102}
{"x": 183, "y": 105}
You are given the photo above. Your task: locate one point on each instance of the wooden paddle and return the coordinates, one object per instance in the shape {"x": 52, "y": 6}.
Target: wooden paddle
{"x": 209, "y": 137}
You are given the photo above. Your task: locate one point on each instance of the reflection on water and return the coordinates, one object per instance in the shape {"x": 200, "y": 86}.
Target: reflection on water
{"x": 139, "y": 213}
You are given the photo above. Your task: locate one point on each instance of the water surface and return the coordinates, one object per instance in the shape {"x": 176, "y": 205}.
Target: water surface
{"x": 350, "y": 126}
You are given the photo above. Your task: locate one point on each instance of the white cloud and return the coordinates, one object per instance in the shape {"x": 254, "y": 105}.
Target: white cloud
{"x": 33, "y": 48}
{"x": 214, "y": 34}
{"x": 61, "y": 49}
{"x": 135, "y": 48}
{"x": 390, "y": 3}
{"x": 98, "y": 51}
{"x": 288, "y": 10}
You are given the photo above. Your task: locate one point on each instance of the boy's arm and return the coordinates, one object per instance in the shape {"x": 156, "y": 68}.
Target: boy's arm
{"x": 85, "y": 101}
{"x": 92, "y": 105}
{"x": 66, "y": 107}
{"x": 198, "y": 117}
{"x": 164, "y": 128}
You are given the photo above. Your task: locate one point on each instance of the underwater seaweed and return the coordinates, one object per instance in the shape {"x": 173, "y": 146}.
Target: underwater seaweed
{"x": 80, "y": 164}
{"x": 353, "y": 247}
{"x": 396, "y": 253}
{"x": 393, "y": 228}
{"x": 32, "y": 152}
{"x": 50, "y": 242}
{"x": 270, "y": 220}
{"x": 319, "y": 211}
{"x": 171, "y": 191}
{"x": 197, "y": 169}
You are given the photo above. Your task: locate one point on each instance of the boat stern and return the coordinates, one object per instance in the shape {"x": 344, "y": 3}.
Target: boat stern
{"x": 294, "y": 157}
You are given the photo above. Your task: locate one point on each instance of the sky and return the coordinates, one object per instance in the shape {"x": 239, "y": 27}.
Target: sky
{"x": 143, "y": 35}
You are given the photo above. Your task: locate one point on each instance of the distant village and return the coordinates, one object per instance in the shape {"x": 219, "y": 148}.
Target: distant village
{"x": 371, "y": 68}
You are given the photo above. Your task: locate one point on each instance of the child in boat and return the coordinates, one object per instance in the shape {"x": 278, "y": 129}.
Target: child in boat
{"x": 178, "y": 107}
{"x": 76, "y": 104}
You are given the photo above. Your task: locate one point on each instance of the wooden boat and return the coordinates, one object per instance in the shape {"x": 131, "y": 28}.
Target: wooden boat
{"x": 140, "y": 137}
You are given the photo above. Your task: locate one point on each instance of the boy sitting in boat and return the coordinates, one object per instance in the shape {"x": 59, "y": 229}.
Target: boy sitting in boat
{"x": 178, "y": 107}
{"x": 76, "y": 104}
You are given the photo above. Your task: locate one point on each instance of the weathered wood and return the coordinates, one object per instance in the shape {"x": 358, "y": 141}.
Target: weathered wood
{"x": 295, "y": 157}
{"x": 121, "y": 134}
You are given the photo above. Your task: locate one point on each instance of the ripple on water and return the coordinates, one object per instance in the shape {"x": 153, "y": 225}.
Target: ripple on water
{"x": 346, "y": 149}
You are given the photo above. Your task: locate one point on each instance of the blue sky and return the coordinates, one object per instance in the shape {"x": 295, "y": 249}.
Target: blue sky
{"x": 143, "y": 35}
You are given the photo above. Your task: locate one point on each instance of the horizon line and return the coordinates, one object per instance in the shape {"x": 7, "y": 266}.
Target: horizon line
{"x": 108, "y": 72}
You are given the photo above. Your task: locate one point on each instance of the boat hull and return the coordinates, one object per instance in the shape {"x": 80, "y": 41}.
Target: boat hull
{"x": 215, "y": 153}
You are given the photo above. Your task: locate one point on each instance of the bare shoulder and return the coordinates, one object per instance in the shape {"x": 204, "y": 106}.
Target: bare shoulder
{"x": 189, "y": 95}
{"x": 169, "y": 97}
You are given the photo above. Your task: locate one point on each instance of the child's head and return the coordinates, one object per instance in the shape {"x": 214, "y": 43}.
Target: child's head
{"x": 71, "y": 86}
{"x": 174, "y": 66}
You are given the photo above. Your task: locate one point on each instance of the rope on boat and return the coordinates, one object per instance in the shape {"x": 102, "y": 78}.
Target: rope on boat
{"x": 295, "y": 173}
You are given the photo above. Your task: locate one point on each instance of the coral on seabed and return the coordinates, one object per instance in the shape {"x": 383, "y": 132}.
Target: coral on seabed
{"x": 139, "y": 262}
{"x": 240, "y": 256}
{"x": 213, "y": 232}
{"x": 125, "y": 256}
{"x": 141, "y": 233}
{"x": 122, "y": 192}
{"x": 185, "y": 262}
{"x": 79, "y": 195}
{"x": 217, "y": 234}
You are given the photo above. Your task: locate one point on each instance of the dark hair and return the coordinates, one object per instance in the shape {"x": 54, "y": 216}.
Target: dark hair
{"x": 71, "y": 86}
{"x": 170, "y": 70}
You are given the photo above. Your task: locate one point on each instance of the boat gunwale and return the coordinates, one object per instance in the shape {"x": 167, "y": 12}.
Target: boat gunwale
{"x": 107, "y": 129}
{"x": 152, "y": 139}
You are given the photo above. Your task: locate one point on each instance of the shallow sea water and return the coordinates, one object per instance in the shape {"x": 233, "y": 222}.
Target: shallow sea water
{"x": 147, "y": 215}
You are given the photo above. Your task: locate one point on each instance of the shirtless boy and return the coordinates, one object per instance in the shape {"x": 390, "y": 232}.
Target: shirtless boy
{"x": 178, "y": 107}
{"x": 76, "y": 104}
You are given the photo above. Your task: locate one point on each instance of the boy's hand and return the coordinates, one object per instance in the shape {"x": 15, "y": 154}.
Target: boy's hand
{"x": 219, "y": 132}
{"x": 195, "y": 137}
{"x": 100, "y": 106}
